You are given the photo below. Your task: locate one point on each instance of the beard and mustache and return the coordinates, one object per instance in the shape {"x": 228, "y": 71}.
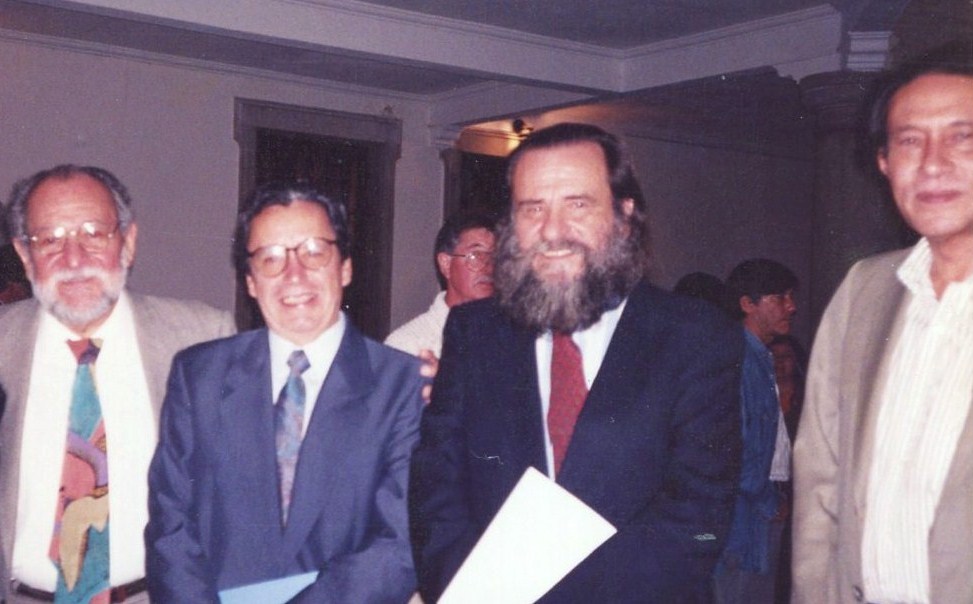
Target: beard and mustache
{"x": 112, "y": 283}
{"x": 607, "y": 277}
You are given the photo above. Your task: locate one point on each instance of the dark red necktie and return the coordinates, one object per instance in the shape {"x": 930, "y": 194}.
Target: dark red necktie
{"x": 568, "y": 393}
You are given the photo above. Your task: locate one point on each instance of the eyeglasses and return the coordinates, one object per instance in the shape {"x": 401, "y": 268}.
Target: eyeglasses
{"x": 271, "y": 260}
{"x": 92, "y": 236}
{"x": 477, "y": 260}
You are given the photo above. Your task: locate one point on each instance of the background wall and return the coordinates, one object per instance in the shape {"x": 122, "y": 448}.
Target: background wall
{"x": 166, "y": 130}
{"x": 712, "y": 208}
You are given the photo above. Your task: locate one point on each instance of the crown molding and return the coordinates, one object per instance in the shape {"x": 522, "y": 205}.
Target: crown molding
{"x": 811, "y": 36}
{"x": 749, "y": 29}
{"x": 201, "y": 65}
{"x": 384, "y": 33}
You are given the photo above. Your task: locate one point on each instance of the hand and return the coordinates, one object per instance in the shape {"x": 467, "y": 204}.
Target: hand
{"x": 428, "y": 369}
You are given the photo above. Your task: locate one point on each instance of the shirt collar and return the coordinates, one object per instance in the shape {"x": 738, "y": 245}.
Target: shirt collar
{"x": 320, "y": 352}
{"x": 915, "y": 270}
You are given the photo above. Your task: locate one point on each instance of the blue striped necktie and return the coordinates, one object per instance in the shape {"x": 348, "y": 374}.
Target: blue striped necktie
{"x": 288, "y": 423}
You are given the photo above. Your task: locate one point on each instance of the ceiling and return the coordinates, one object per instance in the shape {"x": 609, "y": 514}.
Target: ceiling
{"x": 409, "y": 46}
{"x": 687, "y": 66}
{"x": 619, "y": 24}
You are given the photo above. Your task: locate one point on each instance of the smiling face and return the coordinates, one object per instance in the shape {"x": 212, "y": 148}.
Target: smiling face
{"x": 563, "y": 208}
{"x": 928, "y": 159}
{"x": 299, "y": 304}
{"x": 76, "y": 285}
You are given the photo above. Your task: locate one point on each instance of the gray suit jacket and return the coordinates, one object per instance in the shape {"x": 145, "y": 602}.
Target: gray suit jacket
{"x": 163, "y": 327}
{"x": 833, "y": 451}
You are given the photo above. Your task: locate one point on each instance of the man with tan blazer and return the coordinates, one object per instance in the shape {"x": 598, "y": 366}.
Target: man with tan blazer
{"x": 884, "y": 454}
{"x": 74, "y": 231}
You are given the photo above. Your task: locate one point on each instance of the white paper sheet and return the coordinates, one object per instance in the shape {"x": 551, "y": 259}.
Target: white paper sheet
{"x": 277, "y": 591}
{"x": 539, "y": 534}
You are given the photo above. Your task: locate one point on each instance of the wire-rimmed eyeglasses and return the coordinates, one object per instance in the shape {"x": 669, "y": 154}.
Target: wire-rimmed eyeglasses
{"x": 271, "y": 260}
{"x": 477, "y": 260}
{"x": 91, "y": 235}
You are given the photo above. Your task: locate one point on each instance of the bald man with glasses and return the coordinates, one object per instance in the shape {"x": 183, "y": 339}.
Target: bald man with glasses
{"x": 285, "y": 451}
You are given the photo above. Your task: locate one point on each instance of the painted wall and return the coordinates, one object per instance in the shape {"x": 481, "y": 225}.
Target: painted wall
{"x": 166, "y": 130}
{"x": 711, "y": 208}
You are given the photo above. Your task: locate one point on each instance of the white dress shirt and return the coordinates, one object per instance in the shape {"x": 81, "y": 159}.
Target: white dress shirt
{"x": 593, "y": 343}
{"x": 924, "y": 404}
{"x": 131, "y": 435}
{"x": 320, "y": 354}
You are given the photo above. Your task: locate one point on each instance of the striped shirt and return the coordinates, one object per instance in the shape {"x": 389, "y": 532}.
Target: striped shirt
{"x": 924, "y": 405}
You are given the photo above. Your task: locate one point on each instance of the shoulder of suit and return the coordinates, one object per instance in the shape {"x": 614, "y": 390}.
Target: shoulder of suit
{"x": 692, "y": 313}
{"x": 14, "y": 316}
{"x": 172, "y": 310}
{"x": 886, "y": 263}
{"x": 485, "y": 311}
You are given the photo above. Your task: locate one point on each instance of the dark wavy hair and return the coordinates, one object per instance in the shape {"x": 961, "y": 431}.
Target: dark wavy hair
{"x": 284, "y": 194}
{"x": 756, "y": 278}
{"x": 954, "y": 58}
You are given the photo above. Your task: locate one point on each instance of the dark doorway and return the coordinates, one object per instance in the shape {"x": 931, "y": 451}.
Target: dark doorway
{"x": 475, "y": 183}
{"x": 350, "y": 158}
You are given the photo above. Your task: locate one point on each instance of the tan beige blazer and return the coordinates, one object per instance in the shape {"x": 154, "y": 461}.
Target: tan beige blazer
{"x": 833, "y": 450}
{"x": 163, "y": 327}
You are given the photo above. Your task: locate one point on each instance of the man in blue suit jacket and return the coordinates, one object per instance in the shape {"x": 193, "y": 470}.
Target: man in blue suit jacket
{"x": 229, "y": 503}
{"x": 655, "y": 447}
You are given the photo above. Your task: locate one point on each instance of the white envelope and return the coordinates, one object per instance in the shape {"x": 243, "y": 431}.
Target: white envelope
{"x": 539, "y": 534}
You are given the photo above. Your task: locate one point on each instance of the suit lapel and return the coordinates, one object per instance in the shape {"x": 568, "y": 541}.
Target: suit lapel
{"x": 156, "y": 347}
{"x": 519, "y": 401}
{"x": 620, "y": 381}
{"x": 333, "y": 431}
{"x": 881, "y": 325}
{"x": 246, "y": 413}
{"x": 15, "y": 366}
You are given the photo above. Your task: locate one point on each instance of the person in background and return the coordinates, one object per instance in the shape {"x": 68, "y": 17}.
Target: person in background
{"x": 790, "y": 369}
{"x": 463, "y": 256}
{"x": 14, "y": 285}
{"x": 703, "y": 286}
{"x": 764, "y": 292}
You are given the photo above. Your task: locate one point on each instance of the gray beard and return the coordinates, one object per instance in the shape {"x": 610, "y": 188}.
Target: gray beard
{"x": 608, "y": 276}
{"x": 112, "y": 285}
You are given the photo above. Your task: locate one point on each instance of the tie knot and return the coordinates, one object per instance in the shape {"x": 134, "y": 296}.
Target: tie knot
{"x": 563, "y": 339}
{"x": 298, "y": 362}
{"x": 85, "y": 350}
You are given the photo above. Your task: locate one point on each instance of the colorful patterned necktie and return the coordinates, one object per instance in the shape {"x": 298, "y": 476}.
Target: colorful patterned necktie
{"x": 288, "y": 422}
{"x": 79, "y": 545}
{"x": 568, "y": 393}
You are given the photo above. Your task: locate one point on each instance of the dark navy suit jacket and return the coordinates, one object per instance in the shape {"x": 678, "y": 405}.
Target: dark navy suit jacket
{"x": 655, "y": 450}
{"x": 214, "y": 504}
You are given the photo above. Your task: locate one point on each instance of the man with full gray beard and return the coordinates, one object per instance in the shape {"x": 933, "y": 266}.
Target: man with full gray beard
{"x": 622, "y": 393}
{"x": 84, "y": 367}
